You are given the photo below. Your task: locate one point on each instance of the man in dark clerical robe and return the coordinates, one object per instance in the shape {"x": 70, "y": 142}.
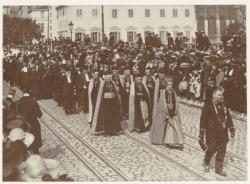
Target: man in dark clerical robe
{"x": 117, "y": 81}
{"x": 81, "y": 85}
{"x": 126, "y": 82}
{"x": 149, "y": 81}
{"x": 160, "y": 85}
{"x": 58, "y": 86}
{"x": 68, "y": 92}
{"x": 170, "y": 41}
{"x": 107, "y": 114}
{"x": 173, "y": 133}
{"x": 215, "y": 122}
{"x": 30, "y": 110}
{"x": 87, "y": 78}
{"x": 139, "y": 106}
{"x": 94, "y": 85}
{"x": 166, "y": 127}
{"x": 25, "y": 77}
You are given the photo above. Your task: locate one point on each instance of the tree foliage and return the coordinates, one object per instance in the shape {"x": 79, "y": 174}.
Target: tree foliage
{"x": 18, "y": 30}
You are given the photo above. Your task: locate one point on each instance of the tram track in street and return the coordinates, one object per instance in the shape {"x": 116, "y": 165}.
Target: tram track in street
{"x": 147, "y": 146}
{"x": 87, "y": 145}
{"x": 150, "y": 147}
{"x": 88, "y": 165}
{"x": 72, "y": 149}
{"x": 228, "y": 152}
{"x": 233, "y": 114}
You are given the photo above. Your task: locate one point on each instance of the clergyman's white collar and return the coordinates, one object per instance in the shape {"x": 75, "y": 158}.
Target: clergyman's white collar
{"x": 26, "y": 94}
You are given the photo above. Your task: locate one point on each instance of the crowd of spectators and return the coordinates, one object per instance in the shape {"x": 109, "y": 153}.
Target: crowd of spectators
{"x": 195, "y": 67}
{"x": 21, "y": 161}
{"x": 43, "y": 68}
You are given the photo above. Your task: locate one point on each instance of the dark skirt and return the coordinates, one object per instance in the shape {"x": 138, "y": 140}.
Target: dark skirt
{"x": 139, "y": 122}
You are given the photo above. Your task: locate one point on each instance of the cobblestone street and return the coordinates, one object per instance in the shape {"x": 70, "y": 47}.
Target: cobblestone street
{"x": 130, "y": 156}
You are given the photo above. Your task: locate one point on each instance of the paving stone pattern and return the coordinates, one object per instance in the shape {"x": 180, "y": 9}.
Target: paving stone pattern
{"x": 190, "y": 157}
{"x": 135, "y": 157}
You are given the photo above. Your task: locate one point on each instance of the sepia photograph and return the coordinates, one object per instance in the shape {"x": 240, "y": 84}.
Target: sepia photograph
{"x": 113, "y": 93}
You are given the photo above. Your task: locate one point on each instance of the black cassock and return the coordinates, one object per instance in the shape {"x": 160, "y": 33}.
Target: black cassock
{"x": 140, "y": 95}
{"x": 110, "y": 110}
{"x": 94, "y": 93}
{"x": 151, "y": 87}
{"x": 125, "y": 95}
{"x": 68, "y": 95}
{"x": 28, "y": 107}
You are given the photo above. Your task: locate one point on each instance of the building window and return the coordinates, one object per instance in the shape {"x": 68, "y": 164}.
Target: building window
{"x": 114, "y": 13}
{"x": 94, "y": 13}
{"x": 50, "y": 14}
{"x": 95, "y": 37}
{"x": 131, "y": 36}
{"x": 116, "y": 36}
{"x": 79, "y": 13}
{"x": 130, "y": 13}
{"x": 51, "y": 35}
{"x": 42, "y": 14}
{"x": 63, "y": 12}
{"x": 50, "y": 21}
{"x": 147, "y": 13}
{"x": 162, "y": 13}
{"x": 186, "y": 12}
{"x": 50, "y": 28}
{"x": 175, "y": 13}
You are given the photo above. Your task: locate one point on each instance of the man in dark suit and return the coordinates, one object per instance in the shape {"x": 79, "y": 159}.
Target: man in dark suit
{"x": 170, "y": 41}
{"x": 30, "y": 110}
{"x": 205, "y": 43}
{"x": 68, "y": 91}
{"x": 215, "y": 122}
{"x": 81, "y": 86}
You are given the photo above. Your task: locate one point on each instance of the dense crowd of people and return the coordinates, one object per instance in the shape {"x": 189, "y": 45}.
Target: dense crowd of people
{"x": 22, "y": 141}
{"x": 112, "y": 81}
{"x": 45, "y": 68}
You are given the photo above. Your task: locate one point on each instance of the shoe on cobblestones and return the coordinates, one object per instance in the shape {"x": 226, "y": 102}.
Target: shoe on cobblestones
{"x": 222, "y": 173}
{"x": 219, "y": 169}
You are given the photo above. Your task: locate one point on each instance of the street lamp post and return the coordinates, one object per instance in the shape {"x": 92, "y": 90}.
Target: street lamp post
{"x": 102, "y": 25}
{"x": 71, "y": 28}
